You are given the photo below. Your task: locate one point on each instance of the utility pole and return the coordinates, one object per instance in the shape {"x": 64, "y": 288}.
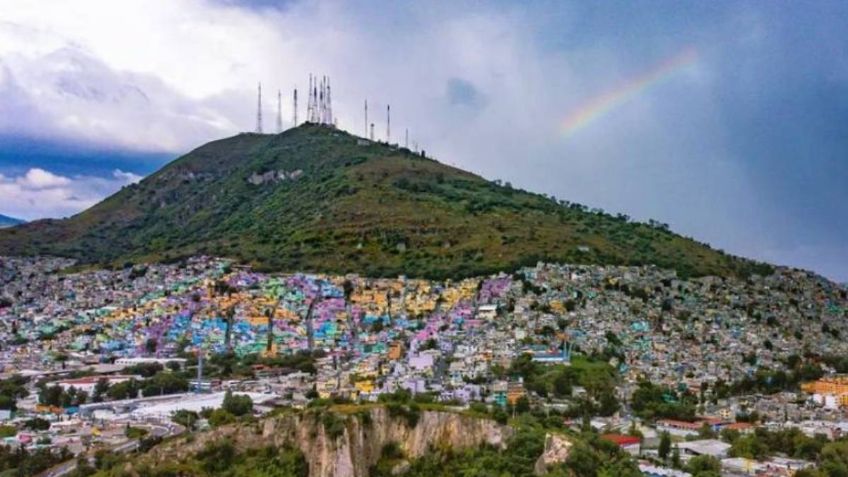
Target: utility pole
{"x": 199, "y": 369}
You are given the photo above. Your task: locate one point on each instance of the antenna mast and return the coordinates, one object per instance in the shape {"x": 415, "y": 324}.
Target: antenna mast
{"x": 406, "y": 138}
{"x": 259, "y": 111}
{"x": 315, "y": 105}
{"x": 294, "y": 108}
{"x": 309, "y": 100}
{"x": 388, "y": 124}
{"x": 321, "y": 105}
{"x": 330, "y": 119}
{"x": 366, "y": 118}
{"x": 279, "y": 112}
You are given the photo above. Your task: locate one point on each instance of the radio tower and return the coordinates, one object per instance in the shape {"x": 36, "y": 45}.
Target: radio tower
{"x": 315, "y": 105}
{"x": 279, "y": 112}
{"x": 294, "y": 109}
{"x": 259, "y": 111}
{"x": 388, "y": 124}
{"x": 406, "y": 138}
{"x": 372, "y": 132}
{"x": 366, "y": 118}
{"x": 329, "y": 104}
{"x": 321, "y": 106}
{"x": 309, "y": 101}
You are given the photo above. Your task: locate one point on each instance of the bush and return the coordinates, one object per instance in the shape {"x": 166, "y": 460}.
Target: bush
{"x": 237, "y": 404}
{"x": 220, "y": 417}
{"x": 135, "y": 432}
{"x": 334, "y": 425}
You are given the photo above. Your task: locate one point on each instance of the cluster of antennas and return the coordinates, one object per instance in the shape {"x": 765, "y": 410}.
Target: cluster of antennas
{"x": 319, "y": 105}
{"x": 319, "y": 108}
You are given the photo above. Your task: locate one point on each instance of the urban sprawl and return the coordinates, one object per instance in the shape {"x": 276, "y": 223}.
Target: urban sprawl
{"x": 100, "y": 358}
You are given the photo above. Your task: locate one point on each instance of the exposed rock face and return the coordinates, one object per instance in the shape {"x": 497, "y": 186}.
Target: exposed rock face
{"x": 273, "y": 176}
{"x": 352, "y": 451}
{"x": 557, "y": 448}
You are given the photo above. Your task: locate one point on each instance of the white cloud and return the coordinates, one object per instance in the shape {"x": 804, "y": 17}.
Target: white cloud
{"x": 126, "y": 177}
{"x": 184, "y": 72}
{"x": 37, "y": 179}
{"x": 38, "y": 193}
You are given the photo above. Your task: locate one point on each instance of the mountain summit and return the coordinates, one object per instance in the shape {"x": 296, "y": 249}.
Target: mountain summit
{"x": 316, "y": 198}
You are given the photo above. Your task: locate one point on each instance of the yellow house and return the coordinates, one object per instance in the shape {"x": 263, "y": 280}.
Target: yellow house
{"x": 365, "y": 386}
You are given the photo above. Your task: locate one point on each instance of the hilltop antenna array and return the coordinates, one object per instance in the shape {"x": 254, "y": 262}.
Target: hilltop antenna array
{"x": 319, "y": 108}
{"x": 259, "y": 111}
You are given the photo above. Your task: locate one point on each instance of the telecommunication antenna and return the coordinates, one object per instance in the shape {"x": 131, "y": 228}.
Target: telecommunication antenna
{"x": 330, "y": 120}
{"x": 372, "y": 131}
{"x": 321, "y": 105}
{"x": 314, "y": 117}
{"x": 259, "y": 111}
{"x": 406, "y": 138}
{"x": 309, "y": 100}
{"x": 366, "y": 118}
{"x": 388, "y": 124}
{"x": 279, "y": 112}
{"x": 294, "y": 109}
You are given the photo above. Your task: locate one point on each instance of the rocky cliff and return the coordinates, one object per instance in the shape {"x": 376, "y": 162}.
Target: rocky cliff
{"x": 347, "y": 445}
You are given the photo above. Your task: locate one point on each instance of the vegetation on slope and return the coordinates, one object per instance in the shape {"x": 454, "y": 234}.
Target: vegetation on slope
{"x": 347, "y": 205}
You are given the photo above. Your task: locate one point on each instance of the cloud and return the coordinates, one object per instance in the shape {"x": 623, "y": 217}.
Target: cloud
{"x": 37, "y": 179}
{"x": 39, "y": 193}
{"x": 722, "y": 152}
{"x": 463, "y": 93}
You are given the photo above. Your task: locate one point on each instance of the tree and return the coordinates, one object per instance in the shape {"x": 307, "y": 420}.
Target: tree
{"x": 50, "y": 396}
{"x": 237, "y": 404}
{"x": 100, "y": 389}
{"x": 706, "y": 431}
{"x": 150, "y": 345}
{"x": 665, "y": 445}
{"x": 124, "y": 390}
{"x": 185, "y": 418}
{"x": 37, "y": 424}
{"x": 164, "y": 383}
{"x": 522, "y": 405}
{"x": 703, "y": 466}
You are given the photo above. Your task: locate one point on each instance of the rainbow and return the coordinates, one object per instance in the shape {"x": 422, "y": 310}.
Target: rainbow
{"x": 606, "y": 102}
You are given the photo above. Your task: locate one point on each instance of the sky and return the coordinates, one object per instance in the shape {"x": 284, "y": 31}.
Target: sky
{"x": 726, "y": 120}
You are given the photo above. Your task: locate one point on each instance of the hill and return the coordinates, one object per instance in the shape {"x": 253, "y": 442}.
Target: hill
{"x": 6, "y": 221}
{"x": 318, "y": 199}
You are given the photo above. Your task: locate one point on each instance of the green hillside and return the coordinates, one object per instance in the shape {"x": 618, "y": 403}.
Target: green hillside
{"x": 339, "y": 204}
